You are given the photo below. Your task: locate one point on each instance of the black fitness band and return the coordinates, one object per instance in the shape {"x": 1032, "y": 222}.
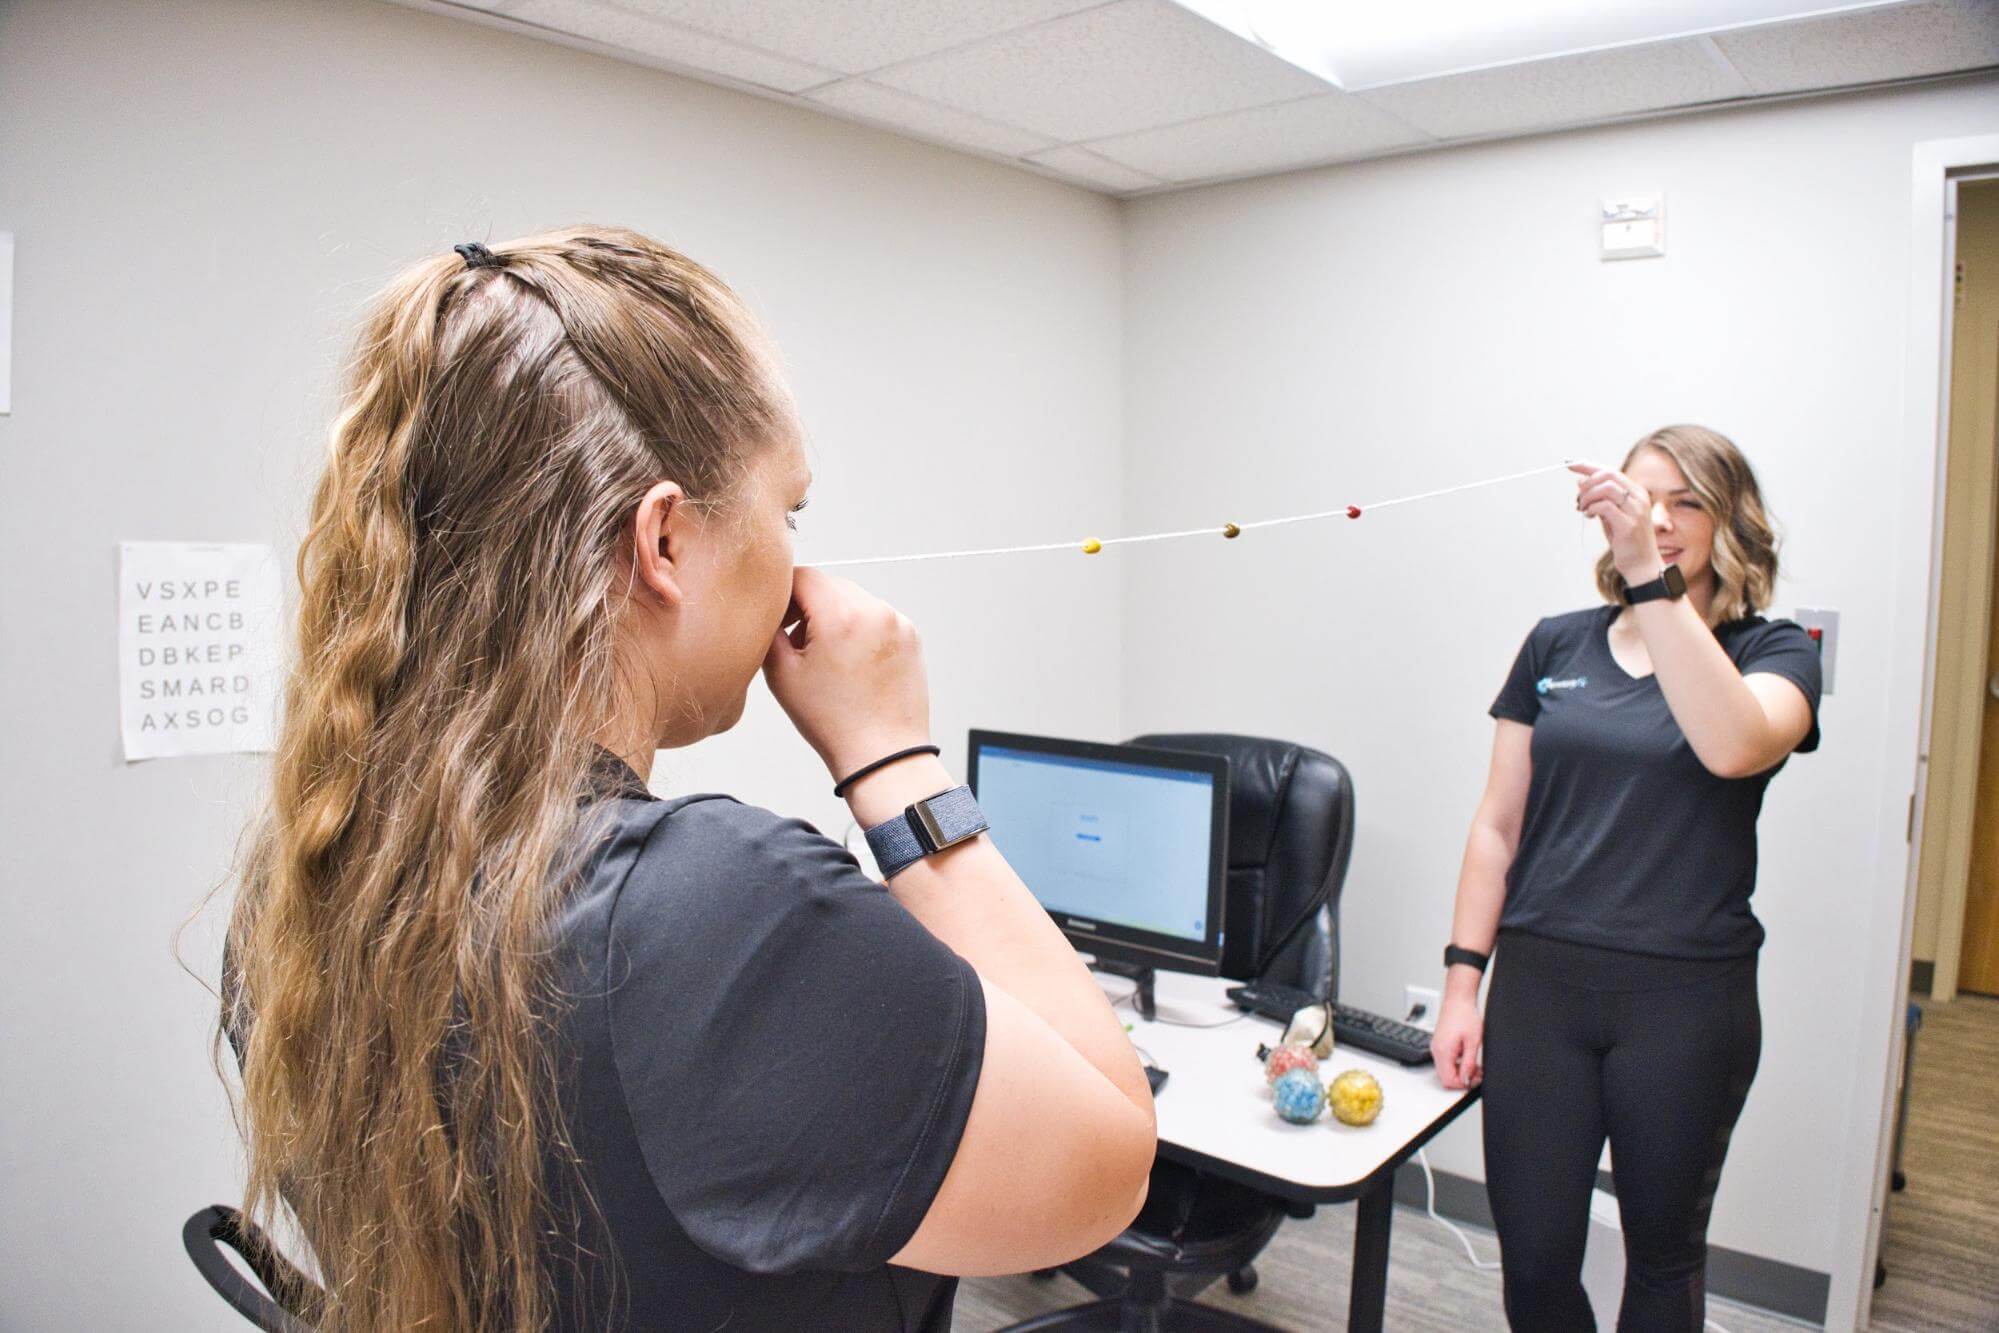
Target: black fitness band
{"x": 1454, "y": 954}
{"x": 840, "y": 787}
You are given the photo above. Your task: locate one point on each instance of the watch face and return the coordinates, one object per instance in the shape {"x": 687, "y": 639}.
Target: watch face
{"x": 1676, "y": 582}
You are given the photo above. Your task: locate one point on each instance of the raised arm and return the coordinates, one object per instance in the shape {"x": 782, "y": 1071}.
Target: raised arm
{"x": 1057, "y": 1151}
{"x": 1737, "y": 725}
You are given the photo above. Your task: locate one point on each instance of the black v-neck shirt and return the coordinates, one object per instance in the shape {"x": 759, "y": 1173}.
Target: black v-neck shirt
{"x": 1629, "y": 842}
{"x": 768, "y": 1065}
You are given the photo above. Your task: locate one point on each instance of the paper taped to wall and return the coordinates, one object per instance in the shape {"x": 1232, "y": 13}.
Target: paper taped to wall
{"x": 198, "y": 658}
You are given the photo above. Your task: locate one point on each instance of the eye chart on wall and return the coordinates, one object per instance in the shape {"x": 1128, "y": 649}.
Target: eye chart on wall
{"x": 199, "y": 625}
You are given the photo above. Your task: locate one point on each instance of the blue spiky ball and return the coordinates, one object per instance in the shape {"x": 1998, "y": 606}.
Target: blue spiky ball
{"x": 1299, "y": 1097}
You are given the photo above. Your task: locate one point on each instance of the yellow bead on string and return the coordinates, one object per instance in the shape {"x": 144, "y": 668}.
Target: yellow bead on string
{"x": 1092, "y": 546}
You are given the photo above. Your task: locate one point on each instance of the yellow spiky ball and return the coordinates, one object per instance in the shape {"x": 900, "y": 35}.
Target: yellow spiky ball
{"x": 1355, "y": 1097}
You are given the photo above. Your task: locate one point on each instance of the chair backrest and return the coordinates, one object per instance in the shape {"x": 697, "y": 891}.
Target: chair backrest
{"x": 218, "y": 1225}
{"x": 1291, "y": 811}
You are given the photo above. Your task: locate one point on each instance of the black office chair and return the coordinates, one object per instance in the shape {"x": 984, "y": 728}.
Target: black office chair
{"x": 214, "y": 1227}
{"x": 1291, "y": 812}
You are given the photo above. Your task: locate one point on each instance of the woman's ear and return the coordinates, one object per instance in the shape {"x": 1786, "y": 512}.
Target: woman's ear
{"x": 659, "y": 536}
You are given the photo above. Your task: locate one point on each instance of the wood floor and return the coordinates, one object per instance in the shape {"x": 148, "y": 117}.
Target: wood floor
{"x": 1941, "y": 1239}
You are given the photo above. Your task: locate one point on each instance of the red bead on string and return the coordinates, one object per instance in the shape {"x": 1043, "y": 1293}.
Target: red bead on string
{"x": 1353, "y": 511}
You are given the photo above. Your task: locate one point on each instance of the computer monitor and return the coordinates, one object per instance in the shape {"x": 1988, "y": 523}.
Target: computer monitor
{"x": 1126, "y": 846}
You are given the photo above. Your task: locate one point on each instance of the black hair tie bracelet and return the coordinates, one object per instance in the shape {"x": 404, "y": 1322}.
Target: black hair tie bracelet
{"x": 840, "y": 787}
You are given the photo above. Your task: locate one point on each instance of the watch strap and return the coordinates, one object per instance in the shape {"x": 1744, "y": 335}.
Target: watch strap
{"x": 1454, "y": 954}
{"x": 940, "y": 821}
{"x": 1670, "y": 583}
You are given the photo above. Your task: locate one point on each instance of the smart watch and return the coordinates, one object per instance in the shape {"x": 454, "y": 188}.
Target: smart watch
{"x": 1670, "y": 583}
{"x": 932, "y": 824}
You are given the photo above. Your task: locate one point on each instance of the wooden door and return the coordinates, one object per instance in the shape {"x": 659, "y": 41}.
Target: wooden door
{"x": 1978, "y": 967}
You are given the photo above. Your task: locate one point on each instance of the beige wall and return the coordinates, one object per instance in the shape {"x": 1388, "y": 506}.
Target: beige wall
{"x": 1964, "y": 598}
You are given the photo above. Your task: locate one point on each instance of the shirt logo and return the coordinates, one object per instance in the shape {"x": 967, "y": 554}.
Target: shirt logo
{"x": 1549, "y": 685}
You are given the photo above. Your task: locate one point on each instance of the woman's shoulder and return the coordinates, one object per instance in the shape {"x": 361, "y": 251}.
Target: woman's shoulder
{"x": 715, "y": 855}
{"x": 1755, "y": 634}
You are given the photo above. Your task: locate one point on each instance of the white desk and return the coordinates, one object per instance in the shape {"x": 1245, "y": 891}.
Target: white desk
{"x": 1215, "y": 1113}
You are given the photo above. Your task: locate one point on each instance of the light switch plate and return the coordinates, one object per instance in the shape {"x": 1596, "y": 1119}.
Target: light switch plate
{"x": 1827, "y": 624}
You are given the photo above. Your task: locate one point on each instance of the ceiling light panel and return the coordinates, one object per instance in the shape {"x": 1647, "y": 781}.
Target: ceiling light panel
{"x": 1360, "y": 44}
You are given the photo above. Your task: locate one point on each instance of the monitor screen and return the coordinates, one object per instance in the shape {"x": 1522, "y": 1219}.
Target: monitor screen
{"x": 1122, "y": 844}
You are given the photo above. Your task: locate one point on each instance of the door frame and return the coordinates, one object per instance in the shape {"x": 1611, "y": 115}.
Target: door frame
{"x": 1884, "y": 976}
{"x": 1959, "y": 790}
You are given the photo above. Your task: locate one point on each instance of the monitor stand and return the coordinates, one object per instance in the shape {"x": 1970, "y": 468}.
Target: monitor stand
{"x": 1143, "y": 998}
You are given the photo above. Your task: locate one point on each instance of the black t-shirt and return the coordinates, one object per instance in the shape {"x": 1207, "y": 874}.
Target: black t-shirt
{"x": 768, "y": 1067}
{"x": 1629, "y": 842}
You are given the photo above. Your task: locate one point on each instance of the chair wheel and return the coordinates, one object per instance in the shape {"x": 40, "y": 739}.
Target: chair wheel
{"x": 1880, "y": 1274}
{"x": 1243, "y": 1280}
{"x": 1898, "y": 1182}
{"x": 1045, "y": 1274}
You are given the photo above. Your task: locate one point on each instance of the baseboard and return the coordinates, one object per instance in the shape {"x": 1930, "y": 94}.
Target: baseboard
{"x": 1770, "y": 1284}
{"x": 1922, "y": 975}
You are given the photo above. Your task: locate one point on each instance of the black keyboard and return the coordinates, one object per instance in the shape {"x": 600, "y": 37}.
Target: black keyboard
{"x": 1400, "y": 1042}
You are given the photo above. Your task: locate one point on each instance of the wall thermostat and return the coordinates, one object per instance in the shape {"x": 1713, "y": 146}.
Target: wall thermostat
{"x": 1634, "y": 227}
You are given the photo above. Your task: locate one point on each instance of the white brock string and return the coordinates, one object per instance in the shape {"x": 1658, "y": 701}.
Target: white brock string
{"x": 1086, "y": 544}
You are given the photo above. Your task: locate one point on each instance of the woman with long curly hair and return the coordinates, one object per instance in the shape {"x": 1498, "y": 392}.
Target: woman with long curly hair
{"x": 1611, "y": 861}
{"x": 523, "y": 1046}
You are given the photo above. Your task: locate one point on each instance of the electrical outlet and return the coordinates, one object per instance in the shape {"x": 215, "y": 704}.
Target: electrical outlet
{"x": 1429, "y": 999}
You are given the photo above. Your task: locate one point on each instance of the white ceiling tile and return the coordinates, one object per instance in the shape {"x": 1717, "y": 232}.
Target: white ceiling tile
{"x": 1123, "y": 67}
{"x": 898, "y": 110}
{"x": 614, "y": 25}
{"x": 1900, "y": 42}
{"x": 854, "y": 36}
{"x": 1568, "y": 90}
{"x": 1083, "y": 165}
{"x": 1266, "y": 138}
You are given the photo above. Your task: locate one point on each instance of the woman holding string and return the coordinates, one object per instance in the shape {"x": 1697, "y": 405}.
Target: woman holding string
{"x": 1609, "y": 866}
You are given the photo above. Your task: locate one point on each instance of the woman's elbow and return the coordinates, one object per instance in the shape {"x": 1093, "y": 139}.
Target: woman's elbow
{"x": 1737, "y": 761}
{"x": 1127, "y": 1177}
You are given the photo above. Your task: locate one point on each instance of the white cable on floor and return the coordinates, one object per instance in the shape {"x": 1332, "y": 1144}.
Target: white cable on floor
{"x": 1430, "y": 1188}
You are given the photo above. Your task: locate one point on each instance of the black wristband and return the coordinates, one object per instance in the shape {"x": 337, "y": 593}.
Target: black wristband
{"x": 840, "y": 787}
{"x": 1470, "y": 957}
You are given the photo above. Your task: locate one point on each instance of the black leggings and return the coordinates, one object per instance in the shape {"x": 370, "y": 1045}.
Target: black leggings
{"x": 1657, "y": 1053}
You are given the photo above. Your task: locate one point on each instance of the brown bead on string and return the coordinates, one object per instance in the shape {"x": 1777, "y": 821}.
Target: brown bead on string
{"x": 1231, "y": 531}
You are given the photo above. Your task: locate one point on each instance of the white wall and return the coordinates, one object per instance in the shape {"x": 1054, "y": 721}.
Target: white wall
{"x": 1387, "y": 328}
{"x": 202, "y": 194}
